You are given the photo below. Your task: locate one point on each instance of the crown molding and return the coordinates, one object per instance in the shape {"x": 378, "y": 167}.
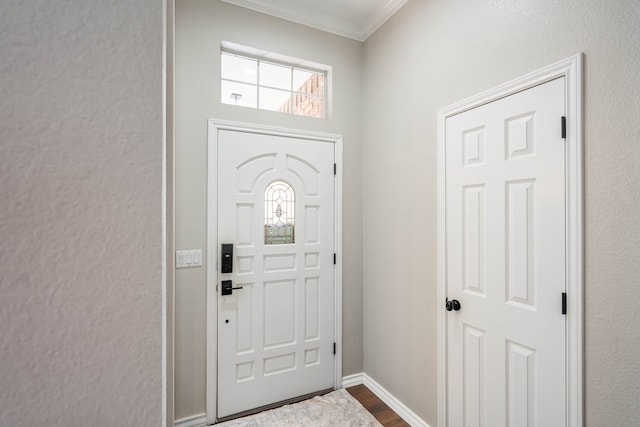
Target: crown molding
{"x": 359, "y": 31}
{"x": 380, "y": 16}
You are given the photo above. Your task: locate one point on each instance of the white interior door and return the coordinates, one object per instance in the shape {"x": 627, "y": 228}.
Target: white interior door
{"x": 276, "y": 206}
{"x": 505, "y": 261}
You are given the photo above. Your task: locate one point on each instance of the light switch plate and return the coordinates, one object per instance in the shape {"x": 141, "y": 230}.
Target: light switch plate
{"x": 189, "y": 258}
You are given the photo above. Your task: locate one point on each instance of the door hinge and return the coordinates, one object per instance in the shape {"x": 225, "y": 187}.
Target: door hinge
{"x": 564, "y": 127}
{"x": 335, "y": 169}
{"x": 334, "y": 348}
{"x": 564, "y": 303}
{"x": 335, "y": 259}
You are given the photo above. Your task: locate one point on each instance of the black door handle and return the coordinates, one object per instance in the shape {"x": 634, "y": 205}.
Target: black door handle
{"x": 227, "y": 287}
{"x": 454, "y": 304}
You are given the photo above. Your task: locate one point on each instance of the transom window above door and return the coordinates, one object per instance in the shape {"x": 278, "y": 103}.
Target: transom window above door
{"x": 268, "y": 84}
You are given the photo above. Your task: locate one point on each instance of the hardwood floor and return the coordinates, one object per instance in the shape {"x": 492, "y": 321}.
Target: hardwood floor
{"x": 385, "y": 415}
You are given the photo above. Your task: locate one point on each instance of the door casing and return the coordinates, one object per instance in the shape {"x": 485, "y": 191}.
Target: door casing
{"x": 212, "y": 242}
{"x": 571, "y": 69}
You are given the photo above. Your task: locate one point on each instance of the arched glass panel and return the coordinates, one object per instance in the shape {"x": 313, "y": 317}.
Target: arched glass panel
{"x": 279, "y": 214}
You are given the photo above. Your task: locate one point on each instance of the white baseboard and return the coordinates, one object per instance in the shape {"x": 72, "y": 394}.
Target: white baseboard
{"x": 352, "y": 380}
{"x": 400, "y": 408}
{"x": 198, "y": 420}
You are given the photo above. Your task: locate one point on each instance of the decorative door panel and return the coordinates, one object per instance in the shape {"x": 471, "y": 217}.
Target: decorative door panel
{"x": 505, "y": 255}
{"x": 275, "y": 330}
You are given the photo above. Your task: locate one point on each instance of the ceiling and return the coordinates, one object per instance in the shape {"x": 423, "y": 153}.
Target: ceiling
{"x": 356, "y": 19}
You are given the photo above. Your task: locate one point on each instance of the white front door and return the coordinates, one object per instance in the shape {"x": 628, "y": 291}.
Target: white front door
{"x": 276, "y": 209}
{"x": 505, "y": 261}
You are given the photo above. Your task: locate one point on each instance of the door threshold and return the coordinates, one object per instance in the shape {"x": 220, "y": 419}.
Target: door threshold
{"x": 274, "y": 405}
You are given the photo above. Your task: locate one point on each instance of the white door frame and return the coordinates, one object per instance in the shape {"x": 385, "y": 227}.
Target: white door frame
{"x": 212, "y": 246}
{"x": 571, "y": 70}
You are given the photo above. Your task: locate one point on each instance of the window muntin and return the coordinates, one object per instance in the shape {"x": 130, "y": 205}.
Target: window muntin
{"x": 272, "y": 99}
{"x": 275, "y": 76}
{"x": 240, "y": 94}
{"x": 237, "y": 68}
{"x": 279, "y": 214}
{"x": 256, "y": 83}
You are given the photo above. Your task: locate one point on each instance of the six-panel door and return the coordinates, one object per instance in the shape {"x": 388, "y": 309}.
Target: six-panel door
{"x": 505, "y": 255}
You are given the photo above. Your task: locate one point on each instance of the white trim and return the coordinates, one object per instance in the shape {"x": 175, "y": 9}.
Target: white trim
{"x": 380, "y": 16}
{"x": 331, "y": 23}
{"x": 394, "y": 403}
{"x": 337, "y": 271}
{"x": 353, "y": 380}
{"x": 198, "y": 420}
{"x": 571, "y": 70}
{"x": 163, "y": 277}
{"x": 212, "y": 279}
{"x": 267, "y": 56}
{"x": 168, "y": 212}
{"x": 212, "y": 250}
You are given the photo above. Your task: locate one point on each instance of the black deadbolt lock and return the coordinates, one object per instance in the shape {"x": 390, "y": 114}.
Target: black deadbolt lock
{"x": 226, "y": 258}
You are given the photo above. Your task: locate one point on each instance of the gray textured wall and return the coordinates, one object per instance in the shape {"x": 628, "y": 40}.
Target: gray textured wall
{"x": 80, "y": 213}
{"x": 201, "y": 25}
{"x": 436, "y": 52}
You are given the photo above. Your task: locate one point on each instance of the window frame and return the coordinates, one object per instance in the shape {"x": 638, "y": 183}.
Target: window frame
{"x": 292, "y": 64}
{"x": 269, "y": 215}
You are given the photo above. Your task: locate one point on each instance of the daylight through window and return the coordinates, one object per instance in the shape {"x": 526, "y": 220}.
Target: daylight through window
{"x": 279, "y": 214}
{"x": 267, "y": 85}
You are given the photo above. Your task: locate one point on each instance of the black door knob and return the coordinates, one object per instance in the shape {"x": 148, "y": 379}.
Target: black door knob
{"x": 454, "y": 305}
